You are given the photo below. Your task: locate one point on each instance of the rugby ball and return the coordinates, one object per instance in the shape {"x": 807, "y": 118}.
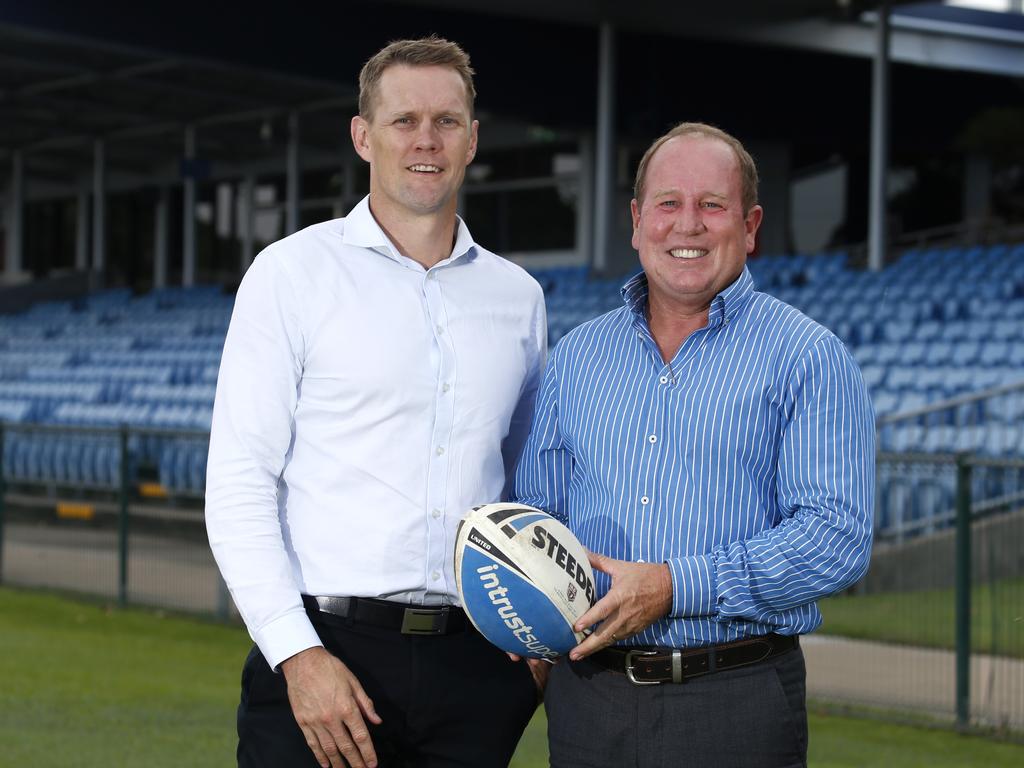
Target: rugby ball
{"x": 523, "y": 578}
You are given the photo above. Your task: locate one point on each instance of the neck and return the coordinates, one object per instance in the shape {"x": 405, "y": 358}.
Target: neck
{"x": 426, "y": 239}
{"x": 671, "y": 325}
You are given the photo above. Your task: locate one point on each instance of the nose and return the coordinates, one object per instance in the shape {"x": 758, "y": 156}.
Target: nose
{"x": 690, "y": 220}
{"x": 427, "y": 137}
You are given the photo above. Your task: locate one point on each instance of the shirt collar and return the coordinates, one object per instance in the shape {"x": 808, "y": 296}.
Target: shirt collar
{"x": 724, "y": 306}
{"x": 363, "y": 231}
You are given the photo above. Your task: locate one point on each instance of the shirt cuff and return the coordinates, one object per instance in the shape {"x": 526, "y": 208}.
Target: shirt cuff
{"x": 694, "y": 591}
{"x": 284, "y": 637}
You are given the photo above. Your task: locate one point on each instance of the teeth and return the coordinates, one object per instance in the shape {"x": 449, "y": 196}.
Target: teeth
{"x": 687, "y": 253}
{"x": 425, "y": 168}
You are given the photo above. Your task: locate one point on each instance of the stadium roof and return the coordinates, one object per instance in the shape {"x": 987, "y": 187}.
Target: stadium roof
{"x": 657, "y": 16}
{"x": 59, "y": 93}
{"x": 67, "y": 80}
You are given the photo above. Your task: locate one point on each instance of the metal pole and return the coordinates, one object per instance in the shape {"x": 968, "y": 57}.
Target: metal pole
{"x": 122, "y": 538}
{"x": 247, "y": 222}
{"x": 99, "y": 206}
{"x": 878, "y": 197}
{"x": 188, "y": 265}
{"x": 160, "y": 229}
{"x": 82, "y": 227}
{"x": 963, "y": 591}
{"x": 293, "y": 180}
{"x": 604, "y": 181}
{"x": 16, "y": 217}
{"x": 585, "y": 200}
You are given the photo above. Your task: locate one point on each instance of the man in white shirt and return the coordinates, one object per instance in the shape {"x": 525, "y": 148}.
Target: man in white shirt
{"x": 377, "y": 381}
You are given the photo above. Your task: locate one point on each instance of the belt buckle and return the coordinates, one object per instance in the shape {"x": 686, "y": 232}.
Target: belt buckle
{"x": 630, "y": 654}
{"x": 424, "y": 621}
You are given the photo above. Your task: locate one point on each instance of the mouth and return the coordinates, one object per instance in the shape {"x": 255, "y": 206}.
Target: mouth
{"x": 424, "y": 168}
{"x": 688, "y": 253}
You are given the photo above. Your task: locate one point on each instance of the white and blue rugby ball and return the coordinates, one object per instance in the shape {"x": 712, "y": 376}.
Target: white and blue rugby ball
{"x": 524, "y": 579}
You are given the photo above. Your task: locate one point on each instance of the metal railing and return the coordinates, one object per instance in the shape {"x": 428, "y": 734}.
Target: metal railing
{"x": 936, "y": 627}
{"x": 118, "y": 533}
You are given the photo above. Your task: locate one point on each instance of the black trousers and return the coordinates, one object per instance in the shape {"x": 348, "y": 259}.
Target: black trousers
{"x": 751, "y": 717}
{"x": 446, "y": 700}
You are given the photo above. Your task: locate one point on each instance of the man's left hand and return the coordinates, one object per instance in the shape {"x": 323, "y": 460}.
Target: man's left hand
{"x": 641, "y": 593}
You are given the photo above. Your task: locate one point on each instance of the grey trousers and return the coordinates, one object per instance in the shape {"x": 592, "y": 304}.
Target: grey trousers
{"x": 752, "y": 717}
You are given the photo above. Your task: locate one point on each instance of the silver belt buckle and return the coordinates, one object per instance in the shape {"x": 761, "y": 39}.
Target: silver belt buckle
{"x": 630, "y": 654}
{"x": 424, "y": 621}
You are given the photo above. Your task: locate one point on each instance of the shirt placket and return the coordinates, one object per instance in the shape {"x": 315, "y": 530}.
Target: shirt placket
{"x": 441, "y": 448}
{"x": 661, "y": 381}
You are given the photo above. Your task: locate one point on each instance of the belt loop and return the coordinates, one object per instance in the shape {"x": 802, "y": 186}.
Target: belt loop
{"x": 677, "y": 666}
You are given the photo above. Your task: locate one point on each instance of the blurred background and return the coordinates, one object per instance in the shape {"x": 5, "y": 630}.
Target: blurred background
{"x": 148, "y": 151}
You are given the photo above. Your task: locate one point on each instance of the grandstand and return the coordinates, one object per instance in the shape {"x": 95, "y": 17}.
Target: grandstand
{"x": 923, "y": 331}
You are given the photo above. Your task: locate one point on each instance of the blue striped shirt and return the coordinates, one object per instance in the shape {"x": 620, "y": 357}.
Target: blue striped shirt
{"x": 746, "y": 464}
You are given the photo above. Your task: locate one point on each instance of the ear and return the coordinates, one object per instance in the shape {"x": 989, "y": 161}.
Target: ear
{"x": 752, "y": 222}
{"x": 471, "y": 153}
{"x": 361, "y": 138}
{"x": 634, "y": 210}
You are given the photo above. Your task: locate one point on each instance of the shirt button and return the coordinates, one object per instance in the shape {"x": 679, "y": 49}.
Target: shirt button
{"x": 644, "y": 500}
{"x": 663, "y": 379}
{"x": 435, "y": 513}
{"x": 435, "y": 575}
{"x": 445, "y": 387}
{"x": 652, "y": 439}
{"x": 440, "y": 329}
{"x": 440, "y": 450}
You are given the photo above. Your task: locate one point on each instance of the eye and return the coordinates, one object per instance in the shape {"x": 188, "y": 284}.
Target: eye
{"x": 668, "y": 204}
{"x": 403, "y": 121}
{"x": 447, "y": 121}
{"x": 710, "y": 204}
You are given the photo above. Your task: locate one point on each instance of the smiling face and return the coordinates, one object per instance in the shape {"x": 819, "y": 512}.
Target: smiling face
{"x": 418, "y": 142}
{"x": 690, "y": 229}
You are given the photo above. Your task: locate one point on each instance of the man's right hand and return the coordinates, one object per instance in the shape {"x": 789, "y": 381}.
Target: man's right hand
{"x": 329, "y": 705}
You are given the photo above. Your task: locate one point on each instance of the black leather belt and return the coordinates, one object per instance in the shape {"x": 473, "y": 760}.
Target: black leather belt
{"x": 401, "y": 617}
{"x": 651, "y": 666}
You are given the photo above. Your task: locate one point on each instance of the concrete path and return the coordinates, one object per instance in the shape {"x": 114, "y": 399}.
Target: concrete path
{"x": 922, "y": 679}
{"x": 163, "y": 572}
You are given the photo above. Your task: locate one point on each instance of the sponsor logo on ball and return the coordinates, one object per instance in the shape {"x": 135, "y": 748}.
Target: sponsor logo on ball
{"x": 498, "y": 597}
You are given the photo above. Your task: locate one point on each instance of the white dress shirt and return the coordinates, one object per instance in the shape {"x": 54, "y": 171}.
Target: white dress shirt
{"x": 364, "y": 404}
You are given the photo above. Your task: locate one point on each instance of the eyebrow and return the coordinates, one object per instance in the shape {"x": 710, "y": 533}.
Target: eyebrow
{"x": 674, "y": 191}
{"x": 450, "y": 109}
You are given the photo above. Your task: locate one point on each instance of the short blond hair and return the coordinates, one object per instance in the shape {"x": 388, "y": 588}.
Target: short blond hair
{"x": 430, "y": 51}
{"x": 748, "y": 169}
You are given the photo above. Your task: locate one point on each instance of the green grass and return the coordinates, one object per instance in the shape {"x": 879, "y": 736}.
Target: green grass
{"x": 927, "y": 618}
{"x": 93, "y": 687}
{"x": 84, "y": 685}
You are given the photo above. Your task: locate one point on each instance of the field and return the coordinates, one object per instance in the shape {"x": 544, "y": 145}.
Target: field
{"x": 926, "y": 618}
{"x": 90, "y": 686}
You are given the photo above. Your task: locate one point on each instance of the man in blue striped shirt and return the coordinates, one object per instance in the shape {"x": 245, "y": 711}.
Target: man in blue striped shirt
{"x": 714, "y": 449}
